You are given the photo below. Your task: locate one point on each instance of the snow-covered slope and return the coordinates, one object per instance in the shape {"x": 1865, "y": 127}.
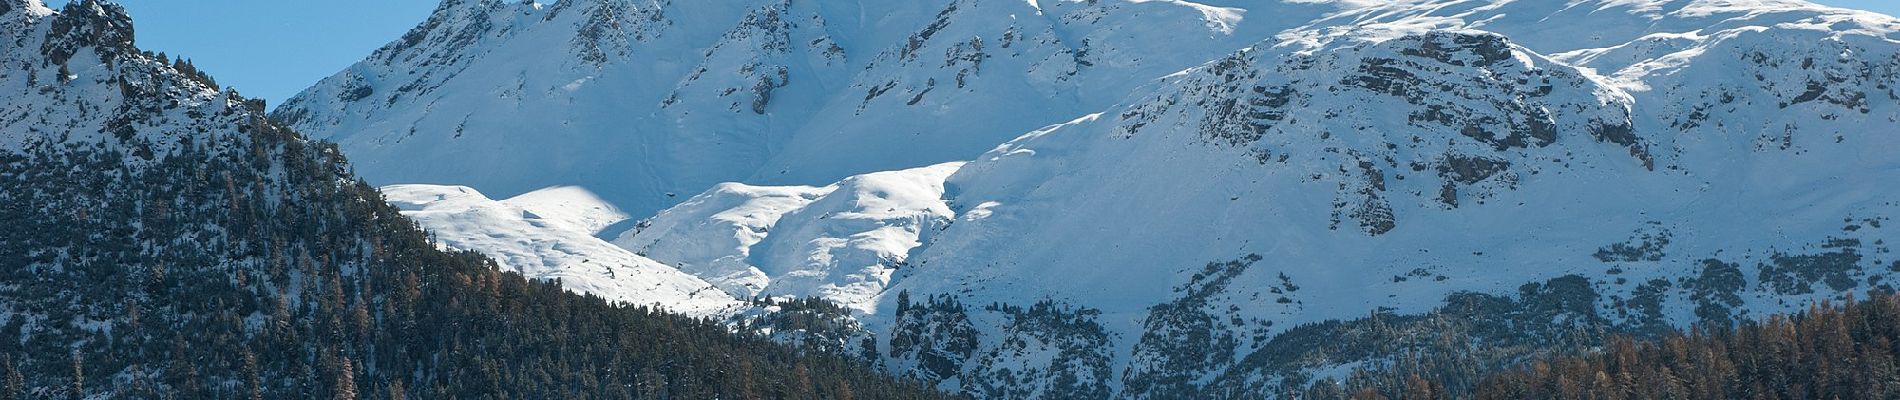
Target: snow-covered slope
{"x": 1354, "y": 143}
{"x": 840, "y": 243}
{"x": 548, "y": 234}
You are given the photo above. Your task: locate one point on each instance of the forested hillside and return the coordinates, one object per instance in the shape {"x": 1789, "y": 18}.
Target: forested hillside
{"x": 1831, "y": 351}
{"x": 163, "y": 239}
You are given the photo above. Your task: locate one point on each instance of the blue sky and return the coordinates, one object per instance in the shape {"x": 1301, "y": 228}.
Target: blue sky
{"x": 1890, "y": 7}
{"x": 271, "y": 49}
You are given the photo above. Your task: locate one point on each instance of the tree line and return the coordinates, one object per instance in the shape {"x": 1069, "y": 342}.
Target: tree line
{"x": 1831, "y": 351}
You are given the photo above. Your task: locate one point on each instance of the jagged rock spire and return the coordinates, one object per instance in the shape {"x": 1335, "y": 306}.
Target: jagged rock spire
{"x": 89, "y": 23}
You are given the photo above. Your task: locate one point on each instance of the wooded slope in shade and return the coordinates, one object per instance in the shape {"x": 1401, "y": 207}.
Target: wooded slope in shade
{"x": 163, "y": 239}
{"x": 1831, "y": 351}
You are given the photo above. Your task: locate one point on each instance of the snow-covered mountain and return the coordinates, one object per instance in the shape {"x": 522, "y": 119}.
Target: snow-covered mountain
{"x": 1213, "y": 199}
{"x": 548, "y": 234}
{"x": 1393, "y": 170}
{"x": 840, "y": 243}
{"x": 647, "y": 102}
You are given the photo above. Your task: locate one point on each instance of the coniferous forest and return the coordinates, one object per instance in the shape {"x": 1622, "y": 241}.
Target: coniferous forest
{"x": 250, "y": 265}
{"x": 1831, "y": 351}
{"x": 191, "y": 248}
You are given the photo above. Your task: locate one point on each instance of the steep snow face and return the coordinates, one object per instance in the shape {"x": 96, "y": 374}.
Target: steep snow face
{"x": 1353, "y": 140}
{"x": 840, "y": 243}
{"x": 647, "y": 101}
{"x": 1794, "y": 86}
{"x": 1642, "y": 30}
{"x": 548, "y": 234}
{"x": 475, "y": 84}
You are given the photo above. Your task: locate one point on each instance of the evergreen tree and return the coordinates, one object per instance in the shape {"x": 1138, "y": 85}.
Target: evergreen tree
{"x": 346, "y": 382}
{"x": 78, "y": 390}
{"x": 1827, "y": 352}
{"x": 15, "y": 382}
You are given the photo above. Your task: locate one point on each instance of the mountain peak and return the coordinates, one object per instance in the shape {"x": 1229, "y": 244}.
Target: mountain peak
{"x": 92, "y": 9}
{"x": 89, "y": 23}
{"x": 462, "y": 5}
